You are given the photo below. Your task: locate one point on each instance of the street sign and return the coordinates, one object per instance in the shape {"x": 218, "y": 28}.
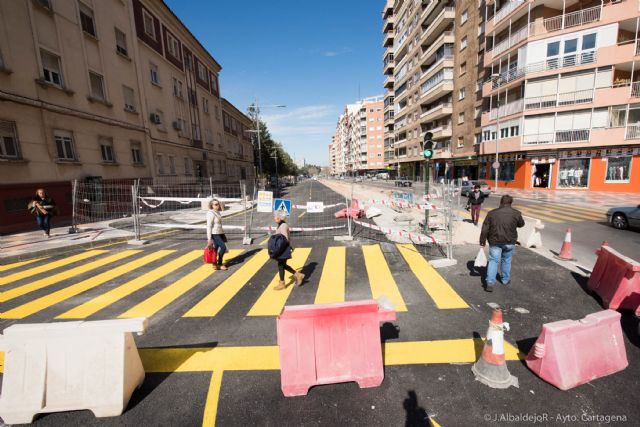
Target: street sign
{"x": 265, "y": 201}
{"x": 282, "y": 205}
{"x": 315, "y": 207}
{"x": 495, "y": 165}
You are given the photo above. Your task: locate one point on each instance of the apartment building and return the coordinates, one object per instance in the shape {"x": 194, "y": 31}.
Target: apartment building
{"x": 563, "y": 95}
{"x": 433, "y": 61}
{"x": 357, "y": 146}
{"x": 388, "y": 30}
{"x": 110, "y": 89}
{"x": 237, "y": 145}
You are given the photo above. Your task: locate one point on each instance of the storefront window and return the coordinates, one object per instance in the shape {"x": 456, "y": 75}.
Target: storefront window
{"x": 574, "y": 173}
{"x": 507, "y": 171}
{"x": 618, "y": 169}
{"x": 482, "y": 171}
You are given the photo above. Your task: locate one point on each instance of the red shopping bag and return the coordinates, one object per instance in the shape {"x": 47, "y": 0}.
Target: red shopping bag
{"x": 210, "y": 255}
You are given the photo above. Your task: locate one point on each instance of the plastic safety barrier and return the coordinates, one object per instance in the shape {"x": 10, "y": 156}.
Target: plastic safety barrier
{"x": 331, "y": 343}
{"x": 53, "y": 367}
{"x": 569, "y": 353}
{"x": 616, "y": 279}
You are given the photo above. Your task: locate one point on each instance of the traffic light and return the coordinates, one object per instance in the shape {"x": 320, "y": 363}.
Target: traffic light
{"x": 428, "y": 145}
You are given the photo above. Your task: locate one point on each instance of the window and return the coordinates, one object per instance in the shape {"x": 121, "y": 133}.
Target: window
{"x": 480, "y": 29}
{"x": 479, "y": 85}
{"x": 515, "y": 130}
{"x": 477, "y": 112}
{"x": 553, "y": 49}
{"x": 8, "y": 140}
{"x": 44, "y": 3}
{"x": 106, "y": 149}
{"x": 464, "y": 17}
{"x": 478, "y": 138}
{"x": 589, "y": 41}
{"x": 460, "y": 118}
{"x": 121, "y": 43}
{"x": 188, "y": 166}
{"x": 574, "y": 173}
{"x": 64, "y": 145}
{"x": 97, "y": 86}
{"x": 155, "y": 77}
{"x": 160, "y": 119}
{"x": 504, "y": 133}
{"x": 86, "y": 20}
{"x": 136, "y": 153}
{"x": 570, "y": 45}
{"x": 205, "y": 104}
{"x": 196, "y": 132}
{"x": 463, "y": 68}
{"x": 463, "y": 43}
{"x": 160, "y": 163}
{"x": 618, "y": 169}
{"x": 148, "y": 24}
{"x": 129, "y": 99}
{"x": 172, "y": 165}
{"x": 208, "y": 136}
{"x": 460, "y": 142}
{"x": 177, "y": 88}
{"x": 202, "y": 72}
{"x": 507, "y": 171}
{"x": 214, "y": 84}
{"x": 51, "y": 69}
{"x": 461, "y": 94}
{"x": 173, "y": 46}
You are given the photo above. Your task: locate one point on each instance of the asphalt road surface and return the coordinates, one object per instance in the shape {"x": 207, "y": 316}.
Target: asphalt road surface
{"x": 211, "y": 355}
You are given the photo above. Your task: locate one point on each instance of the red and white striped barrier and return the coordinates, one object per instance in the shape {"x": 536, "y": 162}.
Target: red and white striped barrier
{"x": 271, "y": 229}
{"x": 194, "y": 226}
{"x": 416, "y": 237}
{"x": 186, "y": 200}
{"x": 399, "y": 204}
{"x": 304, "y": 207}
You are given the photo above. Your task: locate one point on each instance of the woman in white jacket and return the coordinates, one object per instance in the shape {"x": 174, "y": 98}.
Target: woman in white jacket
{"x": 215, "y": 232}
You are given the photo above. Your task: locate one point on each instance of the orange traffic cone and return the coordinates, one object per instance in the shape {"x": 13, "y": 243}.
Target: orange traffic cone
{"x": 355, "y": 204}
{"x": 565, "y": 251}
{"x": 491, "y": 368}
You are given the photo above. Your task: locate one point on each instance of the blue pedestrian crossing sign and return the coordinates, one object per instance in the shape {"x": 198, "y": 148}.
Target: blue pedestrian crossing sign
{"x": 283, "y": 205}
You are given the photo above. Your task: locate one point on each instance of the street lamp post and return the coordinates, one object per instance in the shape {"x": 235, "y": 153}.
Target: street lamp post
{"x": 497, "y": 162}
{"x": 255, "y": 107}
{"x": 274, "y": 156}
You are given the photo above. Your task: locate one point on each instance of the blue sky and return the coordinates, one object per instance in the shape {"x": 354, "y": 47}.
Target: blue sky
{"x": 309, "y": 55}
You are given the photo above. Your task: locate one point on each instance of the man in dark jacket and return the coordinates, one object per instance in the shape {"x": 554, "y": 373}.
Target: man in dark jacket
{"x": 475, "y": 203}
{"x": 500, "y": 228}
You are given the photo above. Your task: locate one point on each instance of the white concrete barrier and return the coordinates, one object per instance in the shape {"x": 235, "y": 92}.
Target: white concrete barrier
{"x": 53, "y": 367}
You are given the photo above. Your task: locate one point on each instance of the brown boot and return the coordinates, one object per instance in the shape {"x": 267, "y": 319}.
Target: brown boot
{"x": 299, "y": 278}
{"x": 280, "y": 286}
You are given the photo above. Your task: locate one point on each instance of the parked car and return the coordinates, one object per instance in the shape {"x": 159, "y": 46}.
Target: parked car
{"x": 467, "y": 187}
{"x": 624, "y": 217}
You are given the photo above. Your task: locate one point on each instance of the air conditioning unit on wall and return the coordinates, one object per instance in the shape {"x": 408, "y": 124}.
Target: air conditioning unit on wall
{"x": 177, "y": 125}
{"x": 155, "y": 118}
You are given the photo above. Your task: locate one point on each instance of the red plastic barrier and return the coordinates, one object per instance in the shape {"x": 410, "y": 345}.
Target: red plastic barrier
{"x": 616, "y": 279}
{"x": 331, "y": 343}
{"x": 569, "y": 353}
{"x": 353, "y": 213}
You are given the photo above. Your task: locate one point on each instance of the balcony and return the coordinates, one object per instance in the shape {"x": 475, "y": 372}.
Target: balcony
{"x": 504, "y": 11}
{"x": 568, "y": 20}
{"x": 388, "y": 82}
{"x": 508, "y": 109}
{"x": 438, "y": 25}
{"x": 440, "y": 132}
{"x": 446, "y": 37}
{"x": 388, "y": 39}
{"x": 632, "y": 131}
{"x": 388, "y": 24}
{"x": 440, "y": 110}
{"x": 433, "y": 68}
{"x": 635, "y": 90}
{"x": 506, "y": 44}
{"x": 559, "y": 99}
{"x": 567, "y": 61}
{"x": 557, "y": 137}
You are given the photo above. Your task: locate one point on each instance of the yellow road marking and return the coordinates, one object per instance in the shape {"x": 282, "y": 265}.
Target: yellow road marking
{"x": 380, "y": 278}
{"x": 264, "y": 241}
{"x": 51, "y": 280}
{"x": 164, "y": 297}
{"x": 593, "y": 211}
{"x": 106, "y": 245}
{"x": 546, "y": 215}
{"x": 434, "y": 423}
{"x": 266, "y": 358}
{"x": 271, "y": 302}
{"x": 47, "y": 301}
{"x": 575, "y": 212}
{"x": 19, "y": 264}
{"x": 302, "y": 214}
{"x": 93, "y": 306}
{"x": 211, "y": 305}
{"x": 438, "y": 289}
{"x": 332, "y": 282}
{"x": 213, "y": 396}
{"x": 47, "y": 267}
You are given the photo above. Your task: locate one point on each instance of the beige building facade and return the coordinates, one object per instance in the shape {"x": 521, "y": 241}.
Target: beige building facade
{"x": 115, "y": 89}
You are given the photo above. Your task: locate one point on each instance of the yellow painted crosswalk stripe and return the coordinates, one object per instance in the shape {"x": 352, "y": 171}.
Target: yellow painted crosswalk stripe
{"x": 380, "y": 278}
{"x": 211, "y": 305}
{"x": 166, "y": 296}
{"x": 332, "y": 282}
{"x": 93, "y": 306}
{"x": 47, "y": 267}
{"x": 271, "y": 302}
{"x": 549, "y": 216}
{"x": 595, "y": 211}
{"x": 47, "y": 301}
{"x": 19, "y": 264}
{"x": 571, "y": 210}
{"x": 56, "y": 278}
{"x": 438, "y": 289}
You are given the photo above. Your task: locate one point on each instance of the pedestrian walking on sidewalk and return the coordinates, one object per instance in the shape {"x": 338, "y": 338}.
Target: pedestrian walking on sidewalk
{"x": 476, "y": 198}
{"x": 215, "y": 233}
{"x": 280, "y": 249}
{"x": 500, "y": 228}
{"x": 44, "y": 208}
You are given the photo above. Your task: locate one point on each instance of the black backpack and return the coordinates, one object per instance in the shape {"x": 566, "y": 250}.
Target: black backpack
{"x": 276, "y": 245}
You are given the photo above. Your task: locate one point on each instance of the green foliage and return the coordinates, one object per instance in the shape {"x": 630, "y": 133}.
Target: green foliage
{"x": 270, "y": 150}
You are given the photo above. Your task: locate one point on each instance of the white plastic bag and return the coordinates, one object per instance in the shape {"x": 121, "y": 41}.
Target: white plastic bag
{"x": 481, "y": 259}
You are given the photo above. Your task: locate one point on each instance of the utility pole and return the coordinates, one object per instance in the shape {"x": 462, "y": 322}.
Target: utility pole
{"x": 428, "y": 154}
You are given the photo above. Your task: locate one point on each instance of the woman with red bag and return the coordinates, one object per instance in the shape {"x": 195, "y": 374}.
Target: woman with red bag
{"x": 215, "y": 234}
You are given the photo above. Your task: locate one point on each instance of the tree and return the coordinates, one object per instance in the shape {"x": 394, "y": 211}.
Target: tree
{"x": 269, "y": 150}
